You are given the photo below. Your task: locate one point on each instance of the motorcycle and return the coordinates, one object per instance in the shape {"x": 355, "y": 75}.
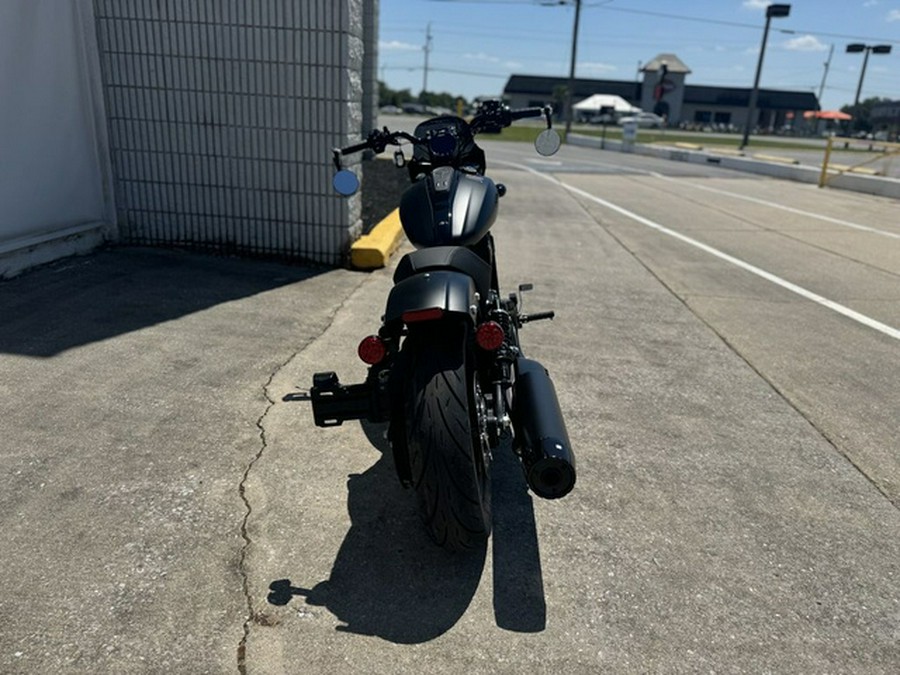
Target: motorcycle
{"x": 446, "y": 368}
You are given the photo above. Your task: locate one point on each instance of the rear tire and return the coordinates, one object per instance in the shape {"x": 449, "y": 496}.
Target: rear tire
{"x": 448, "y": 449}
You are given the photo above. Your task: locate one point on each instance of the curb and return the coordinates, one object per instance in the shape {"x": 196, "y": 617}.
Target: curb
{"x": 875, "y": 185}
{"x": 373, "y": 250}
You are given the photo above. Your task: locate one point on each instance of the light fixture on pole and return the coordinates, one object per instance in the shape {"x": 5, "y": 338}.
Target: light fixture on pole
{"x": 857, "y": 47}
{"x": 772, "y": 11}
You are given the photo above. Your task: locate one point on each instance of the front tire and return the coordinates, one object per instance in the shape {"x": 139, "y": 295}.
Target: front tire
{"x": 448, "y": 450}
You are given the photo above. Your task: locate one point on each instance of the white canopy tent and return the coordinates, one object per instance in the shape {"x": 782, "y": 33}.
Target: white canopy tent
{"x": 593, "y": 104}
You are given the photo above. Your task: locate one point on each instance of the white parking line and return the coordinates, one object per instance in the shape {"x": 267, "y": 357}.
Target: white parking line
{"x": 755, "y": 200}
{"x": 768, "y": 276}
{"x": 789, "y": 209}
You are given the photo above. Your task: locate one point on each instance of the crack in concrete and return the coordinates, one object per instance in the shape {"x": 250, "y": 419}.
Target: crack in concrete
{"x": 248, "y": 510}
{"x": 242, "y": 486}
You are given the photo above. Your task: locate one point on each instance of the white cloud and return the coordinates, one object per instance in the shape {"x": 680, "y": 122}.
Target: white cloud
{"x": 487, "y": 58}
{"x": 894, "y": 15}
{"x": 397, "y": 46}
{"x": 595, "y": 67}
{"x": 756, "y": 4}
{"x": 805, "y": 43}
{"x": 870, "y": 3}
{"x": 481, "y": 56}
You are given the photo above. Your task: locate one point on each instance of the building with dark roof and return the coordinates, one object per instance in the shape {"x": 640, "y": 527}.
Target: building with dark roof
{"x": 663, "y": 90}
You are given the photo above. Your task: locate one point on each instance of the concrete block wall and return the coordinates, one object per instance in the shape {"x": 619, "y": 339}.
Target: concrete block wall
{"x": 222, "y": 115}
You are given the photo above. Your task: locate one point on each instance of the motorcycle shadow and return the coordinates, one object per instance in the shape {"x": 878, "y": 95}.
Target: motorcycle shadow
{"x": 390, "y": 580}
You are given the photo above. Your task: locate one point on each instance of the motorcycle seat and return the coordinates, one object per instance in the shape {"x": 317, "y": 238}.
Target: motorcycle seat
{"x": 457, "y": 258}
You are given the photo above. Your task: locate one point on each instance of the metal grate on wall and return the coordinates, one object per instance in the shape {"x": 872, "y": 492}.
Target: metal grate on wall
{"x": 222, "y": 115}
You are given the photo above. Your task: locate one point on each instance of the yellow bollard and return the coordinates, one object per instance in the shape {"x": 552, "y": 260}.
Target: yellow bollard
{"x": 824, "y": 175}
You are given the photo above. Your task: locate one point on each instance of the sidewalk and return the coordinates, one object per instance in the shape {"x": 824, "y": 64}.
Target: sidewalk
{"x": 132, "y": 383}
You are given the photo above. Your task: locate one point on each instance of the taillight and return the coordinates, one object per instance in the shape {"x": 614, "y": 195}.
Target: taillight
{"x": 489, "y": 336}
{"x": 429, "y": 314}
{"x": 371, "y": 350}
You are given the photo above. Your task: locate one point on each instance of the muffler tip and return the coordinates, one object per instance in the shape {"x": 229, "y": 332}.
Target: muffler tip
{"x": 552, "y": 475}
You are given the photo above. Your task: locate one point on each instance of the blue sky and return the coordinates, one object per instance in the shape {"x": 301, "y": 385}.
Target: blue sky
{"x": 477, "y": 44}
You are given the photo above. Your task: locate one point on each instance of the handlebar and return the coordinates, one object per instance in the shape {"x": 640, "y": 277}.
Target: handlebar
{"x": 493, "y": 116}
{"x": 529, "y": 112}
{"x": 376, "y": 141}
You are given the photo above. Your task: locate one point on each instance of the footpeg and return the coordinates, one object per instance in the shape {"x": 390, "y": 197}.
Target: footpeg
{"x": 537, "y": 316}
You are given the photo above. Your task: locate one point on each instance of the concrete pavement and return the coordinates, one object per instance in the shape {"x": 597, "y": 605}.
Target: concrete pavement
{"x": 131, "y": 384}
{"x": 167, "y": 510}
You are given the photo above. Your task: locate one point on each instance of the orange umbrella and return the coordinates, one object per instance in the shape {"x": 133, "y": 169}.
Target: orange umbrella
{"x": 827, "y": 115}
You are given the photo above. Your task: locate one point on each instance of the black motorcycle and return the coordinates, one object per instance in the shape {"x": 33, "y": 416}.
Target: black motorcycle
{"x": 446, "y": 368}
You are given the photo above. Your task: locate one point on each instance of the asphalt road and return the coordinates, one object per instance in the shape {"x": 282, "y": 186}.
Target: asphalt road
{"x": 726, "y": 354}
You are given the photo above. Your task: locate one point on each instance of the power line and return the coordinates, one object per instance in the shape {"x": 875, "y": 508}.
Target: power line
{"x": 604, "y": 6}
{"x": 435, "y": 69}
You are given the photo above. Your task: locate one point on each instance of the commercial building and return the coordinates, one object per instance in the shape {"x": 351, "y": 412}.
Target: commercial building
{"x": 663, "y": 90}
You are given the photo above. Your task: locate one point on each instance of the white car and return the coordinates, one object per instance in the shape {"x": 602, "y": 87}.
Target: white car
{"x": 644, "y": 120}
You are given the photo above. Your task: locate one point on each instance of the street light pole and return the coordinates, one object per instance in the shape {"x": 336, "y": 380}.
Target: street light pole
{"x": 862, "y": 75}
{"x": 855, "y": 48}
{"x": 777, "y": 11}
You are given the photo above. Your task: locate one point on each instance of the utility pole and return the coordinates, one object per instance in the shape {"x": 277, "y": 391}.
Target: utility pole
{"x": 825, "y": 74}
{"x": 427, "y": 50}
{"x": 569, "y": 112}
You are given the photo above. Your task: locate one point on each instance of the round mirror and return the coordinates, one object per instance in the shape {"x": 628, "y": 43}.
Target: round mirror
{"x": 345, "y": 182}
{"x": 547, "y": 142}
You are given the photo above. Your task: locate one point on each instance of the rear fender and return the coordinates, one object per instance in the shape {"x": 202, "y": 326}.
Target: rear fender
{"x": 450, "y": 291}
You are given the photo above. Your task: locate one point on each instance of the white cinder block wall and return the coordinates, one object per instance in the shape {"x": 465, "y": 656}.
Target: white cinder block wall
{"x": 222, "y": 115}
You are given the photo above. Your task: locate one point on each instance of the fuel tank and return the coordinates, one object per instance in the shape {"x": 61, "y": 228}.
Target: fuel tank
{"x": 448, "y": 208}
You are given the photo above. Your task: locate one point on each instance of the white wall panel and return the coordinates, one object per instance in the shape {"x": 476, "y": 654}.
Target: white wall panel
{"x": 54, "y": 176}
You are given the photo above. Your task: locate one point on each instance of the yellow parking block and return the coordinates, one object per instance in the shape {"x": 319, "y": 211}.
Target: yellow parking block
{"x": 854, "y": 169}
{"x": 374, "y": 250}
{"x": 777, "y": 158}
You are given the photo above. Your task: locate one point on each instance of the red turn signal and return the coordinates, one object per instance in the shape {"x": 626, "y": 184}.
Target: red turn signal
{"x": 371, "y": 350}
{"x": 489, "y": 336}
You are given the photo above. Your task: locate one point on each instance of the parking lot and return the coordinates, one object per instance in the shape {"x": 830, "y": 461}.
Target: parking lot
{"x": 725, "y": 349}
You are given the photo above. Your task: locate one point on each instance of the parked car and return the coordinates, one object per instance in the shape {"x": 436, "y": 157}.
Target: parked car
{"x": 602, "y": 119}
{"x": 644, "y": 120}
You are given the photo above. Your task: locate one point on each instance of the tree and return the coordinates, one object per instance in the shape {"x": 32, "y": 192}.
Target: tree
{"x": 560, "y": 95}
{"x": 440, "y": 100}
{"x": 388, "y": 96}
{"x": 862, "y": 113}
{"x": 399, "y": 97}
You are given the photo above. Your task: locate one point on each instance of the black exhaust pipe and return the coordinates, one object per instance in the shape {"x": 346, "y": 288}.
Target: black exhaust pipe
{"x": 545, "y": 450}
